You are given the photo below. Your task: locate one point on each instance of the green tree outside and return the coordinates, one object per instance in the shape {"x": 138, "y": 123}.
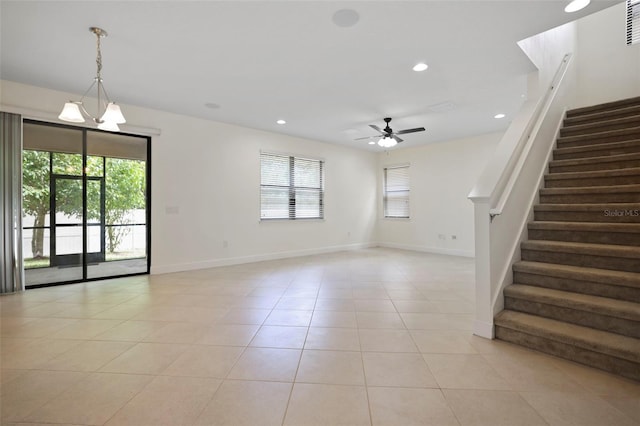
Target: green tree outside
{"x": 125, "y": 187}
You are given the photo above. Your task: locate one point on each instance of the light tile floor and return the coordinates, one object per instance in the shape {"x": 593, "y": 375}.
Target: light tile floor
{"x": 365, "y": 337}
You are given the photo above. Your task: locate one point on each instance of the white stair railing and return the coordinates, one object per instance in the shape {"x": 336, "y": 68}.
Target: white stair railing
{"x": 507, "y": 189}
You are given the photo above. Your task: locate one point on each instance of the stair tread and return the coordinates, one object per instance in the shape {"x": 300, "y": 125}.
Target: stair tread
{"x": 602, "y": 115}
{"x": 591, "y": 189}
{"x": 589, "y": 207}
{"x": 597, "y": 147}
{"x": 633, "y": 118}
{"x": 629, "y": 171}
{"x": 585, "y": 226}
{"x": 595, "y": 160}
{"x": 612, "y": 344}
{"x": 608, "y": 276}
{"x": 577, "y": 301}
{"x": 608, "y": 250}
{"x": 599, "y": 135}
{"x": 607, "y": 106}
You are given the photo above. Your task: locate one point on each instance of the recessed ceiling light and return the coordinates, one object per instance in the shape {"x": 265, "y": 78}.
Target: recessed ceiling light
{"x": 281, "y": 122}
{"x": 372, "y": 142}
{"x": 420, "y": 67}
{"x": 346, "y": 18}
{"x": 576, "y": 5}
{"x": 499, "y": 116}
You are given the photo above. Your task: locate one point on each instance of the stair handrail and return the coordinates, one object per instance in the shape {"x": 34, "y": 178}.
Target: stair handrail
{"x": 512, "y": 166}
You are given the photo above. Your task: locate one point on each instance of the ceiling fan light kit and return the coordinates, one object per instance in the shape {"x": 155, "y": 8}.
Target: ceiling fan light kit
{"x": 75, "y": 111}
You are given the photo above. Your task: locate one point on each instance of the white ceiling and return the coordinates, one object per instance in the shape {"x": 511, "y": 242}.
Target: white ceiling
{"x": 268, "y": 60}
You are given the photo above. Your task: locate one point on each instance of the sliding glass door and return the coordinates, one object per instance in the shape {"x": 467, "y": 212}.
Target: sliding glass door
{"x": 85, "y": 204}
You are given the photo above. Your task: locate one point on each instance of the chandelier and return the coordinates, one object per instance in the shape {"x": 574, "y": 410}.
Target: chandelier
{"x": 75, "y": 111}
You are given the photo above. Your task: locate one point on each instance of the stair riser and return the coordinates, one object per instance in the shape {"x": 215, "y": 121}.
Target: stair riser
{"x": 591, "y": 128}
{"x": 622, "y": 197}
{"x": 592, "y": 237}
{"x": 587, "y": 140}
{"x": 595, "y": 320}
{"x": 600, "y": 152}
{"x": 612, "y": 165}
{"x": 630, "y": 294}
{"x": 586, "y": 260}
{"x": 603, "y": 180}
{"x": 605, "y": 362}
{"x": 606, "y": 216}
{"x": 601, "y": 116}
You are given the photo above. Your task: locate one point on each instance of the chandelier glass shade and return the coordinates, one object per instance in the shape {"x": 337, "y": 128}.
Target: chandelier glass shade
{"x": 108, "y": 113}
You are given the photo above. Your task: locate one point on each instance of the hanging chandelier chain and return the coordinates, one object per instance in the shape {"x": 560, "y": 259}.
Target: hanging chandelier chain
{"x": 99, "y": 56}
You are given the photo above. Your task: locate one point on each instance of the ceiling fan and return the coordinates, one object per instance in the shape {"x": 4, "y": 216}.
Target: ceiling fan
{"x": 389, "y": 137}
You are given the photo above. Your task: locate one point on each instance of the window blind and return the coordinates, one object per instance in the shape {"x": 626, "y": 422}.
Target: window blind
{"x": 396, "y": 192}
{"x": 291, "y": 187}
{"x": 633, "y": 22}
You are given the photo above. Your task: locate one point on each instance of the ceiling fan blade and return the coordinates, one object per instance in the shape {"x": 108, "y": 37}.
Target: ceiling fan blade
{"x": 397, "y": 138}
{"x": 366, "y": 137}
{"x": 374, "y": 127}
{"x": 405, "y": 131}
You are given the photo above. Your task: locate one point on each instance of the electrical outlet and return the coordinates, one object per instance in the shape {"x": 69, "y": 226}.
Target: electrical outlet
{"x": 225, "y": 244}
{"x": 454, "y": 237}
{"x": 442, "y": 237}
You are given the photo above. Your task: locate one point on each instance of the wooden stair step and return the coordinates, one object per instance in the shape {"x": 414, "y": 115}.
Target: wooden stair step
{"x": 605, "y": 115}
{"x": 602, "y": 256}
{"x": 581, "y": 273}
{"x": 602, "y": 313}
{"x": 607, "y": 351}
{"x": 596, "y": 138}
{"x": 597, "y": 150}
{"x": 601, "y": 126}
{"x": 628, "y": 176}
{"x": 588, "y": 212}
{"x": 591, "y": 194}
{"x": 598, "y": 282}
{"x": 607, "y": 106}
{"x": 605, "y": 162}
{"x": 586, "y": 232}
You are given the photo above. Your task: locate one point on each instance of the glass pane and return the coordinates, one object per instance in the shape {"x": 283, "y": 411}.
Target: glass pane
{"x": 307, "y": 173}
{"x": 94, "y": 196}
{"x": 36, "y": 201}
{"x": 35, "y": 248}
{"x": 68, "y": 240}
{"x": 132, "y": 242}
{"x": 274, "y": 170}
{"x": 125, "y": 199}
{"x": 94, "y": 242}
{"x": 308, "y": 203}
{"x": 274, "y": 203}
{"x": 68, "y": 201}
{"x": 95, "y": 166}
{"x": 67, "y": 164}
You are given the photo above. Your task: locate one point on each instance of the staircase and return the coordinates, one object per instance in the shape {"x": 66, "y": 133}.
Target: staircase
{"x": 576, "y": 291}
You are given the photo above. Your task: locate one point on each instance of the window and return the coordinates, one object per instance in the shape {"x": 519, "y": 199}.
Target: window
{"x": 291, "y": 187}
{"x": 396, "y": 191}
{"x": 633, "y": 22}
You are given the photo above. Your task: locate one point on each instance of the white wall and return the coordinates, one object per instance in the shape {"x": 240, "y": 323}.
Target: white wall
{"x": 205, "y": 188}
{"x": 546, "y": 50}
{"x": 608, "y": 69}
{"x": 441, "y": 177}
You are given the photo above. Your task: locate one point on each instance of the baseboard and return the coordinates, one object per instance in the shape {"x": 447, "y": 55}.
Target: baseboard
{"x": 483, "y": 329}
{"x": 214, "y": 263}
{"x": 434, "y": 250}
